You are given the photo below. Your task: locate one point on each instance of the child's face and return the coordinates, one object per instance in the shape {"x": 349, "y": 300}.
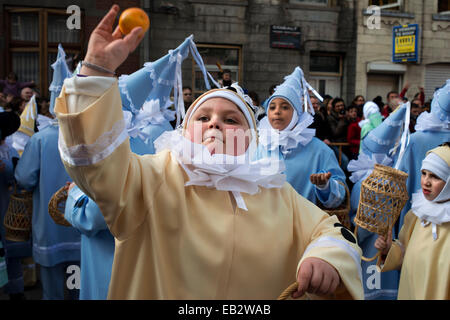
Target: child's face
{"x": 280, "y": 113}
{"x": 219, "y": 125}
{"x": 431, "y": 184}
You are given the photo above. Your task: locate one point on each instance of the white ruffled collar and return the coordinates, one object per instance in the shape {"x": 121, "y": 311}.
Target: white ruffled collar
{"x": 364, "y": 165}
{"x": 430, "y": 212}
{"x": 149, "y": 114}
{"x": 430, "y": 122}
{"x": 220, "y": 171}
{"x": 286, "y": 139}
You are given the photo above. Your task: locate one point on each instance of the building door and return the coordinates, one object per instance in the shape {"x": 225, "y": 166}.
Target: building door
{"x": 435, "y": 77}
{"x": 381, "y": 84}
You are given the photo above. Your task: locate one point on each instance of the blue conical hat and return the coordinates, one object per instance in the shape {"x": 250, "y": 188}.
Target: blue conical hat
{"x": 384, "y": 137}
{"x": 156, "y": 80}
{"x": 295, "y": 90}
{"x": 440, "y": 105}
{"x": 60, "y": 72}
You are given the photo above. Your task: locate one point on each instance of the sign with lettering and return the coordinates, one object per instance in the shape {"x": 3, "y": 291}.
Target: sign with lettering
{"x": 405, "y": 41}
{"x": 285, "y": 37}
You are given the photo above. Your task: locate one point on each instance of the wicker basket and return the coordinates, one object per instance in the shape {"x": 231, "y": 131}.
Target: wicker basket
{"x": 18, "y": 216}
{"x": 57, "y": 205}
{"x": 382, "y": 198}
{"x": 342, "y": 211}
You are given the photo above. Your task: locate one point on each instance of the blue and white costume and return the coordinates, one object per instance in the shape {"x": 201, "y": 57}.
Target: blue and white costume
{"x": 432, "y": 129}
{"x": 302, "y": 152}
{"x": 379, "y": 146}
{"x": 40, "y": 169}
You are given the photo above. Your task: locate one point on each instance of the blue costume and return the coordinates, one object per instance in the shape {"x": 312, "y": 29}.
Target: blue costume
{"x": 432, "y": 129}
{"x": 303, "y": 153}
{"x": 144, "y": 124}
{"x": 379, "y": 146}
{"x": 40, "y": 169}
{"x": 12, "y": 252}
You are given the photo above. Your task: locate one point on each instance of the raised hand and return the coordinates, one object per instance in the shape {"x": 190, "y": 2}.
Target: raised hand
{"x": 110, "y": 49}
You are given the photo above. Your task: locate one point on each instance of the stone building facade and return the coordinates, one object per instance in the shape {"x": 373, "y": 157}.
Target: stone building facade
{"x": 376, "y": 74}
{"x": 338, "y": 52}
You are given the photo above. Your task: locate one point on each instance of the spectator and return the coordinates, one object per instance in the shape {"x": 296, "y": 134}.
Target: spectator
{"x": 16, "y": 104}
{"x": 328, "y": 103}
{"x": 259, "y": 110}
{"x": 393, "y": 101}
{"x": 12, "y": 87}
{"x": 2, "y": 101}
{"x": 338, "y": 123}
{"x": 26, "y": 93}
{"x": 359, "y": 102}
{"x": 420, "y": 96}
{"x": 320, "y": 121}
{"x": 378, "y": 100}
{"x": 353, "y": 131}
{"x": 226, "y": 80}
{"x": 372, "y": 118}
{"x": 187, "y": 97}
{"x": 415, "y": 112}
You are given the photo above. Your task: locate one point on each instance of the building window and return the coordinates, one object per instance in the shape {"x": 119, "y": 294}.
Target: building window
{"x": 32, "y": 40}
{"x": 386, "y": 4}
{"x": 444, "y": 6}
{"x": 329, "y": 64}
{"x": 325, "y": 72}
{"x": 216, "y": 58}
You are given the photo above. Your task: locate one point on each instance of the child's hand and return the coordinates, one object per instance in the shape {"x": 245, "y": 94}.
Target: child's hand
{"x": 320, "y": 179}
{"x": 316, "y": 276}
{"x": 107, "y": 48}
{"x": 383, "y": 244}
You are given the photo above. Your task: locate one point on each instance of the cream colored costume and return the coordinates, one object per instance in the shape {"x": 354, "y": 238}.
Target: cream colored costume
{"x": 425, "y": 271}
{"x": 423, "y": 248}
{"x": 189, "y": 242}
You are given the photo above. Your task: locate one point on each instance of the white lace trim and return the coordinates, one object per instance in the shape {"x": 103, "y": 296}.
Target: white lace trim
{"x": 85, "y": 155}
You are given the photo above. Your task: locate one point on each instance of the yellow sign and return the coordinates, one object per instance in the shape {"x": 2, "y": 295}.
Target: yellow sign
{"x": 405, "y": 44}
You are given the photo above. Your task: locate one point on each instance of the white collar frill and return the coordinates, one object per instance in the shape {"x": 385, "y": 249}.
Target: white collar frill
{"x": 220, "y": 171}
{"x": 286, "y": 139}
{"x": 430, "y": 122}
{"x": 430, "y": 212}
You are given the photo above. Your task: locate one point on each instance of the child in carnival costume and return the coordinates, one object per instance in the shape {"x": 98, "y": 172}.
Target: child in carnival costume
{"x": 422, "y": 247}
{"x": 311, "y": 166}
{"x": 203, "y": 218}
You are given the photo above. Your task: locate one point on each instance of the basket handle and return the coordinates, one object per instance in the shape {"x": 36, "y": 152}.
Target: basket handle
{"x": 288, "y": 291}
{"x": 378, "y": 255}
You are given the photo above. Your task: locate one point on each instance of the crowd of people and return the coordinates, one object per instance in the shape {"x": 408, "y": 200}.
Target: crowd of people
{"x": 226, "y": 203}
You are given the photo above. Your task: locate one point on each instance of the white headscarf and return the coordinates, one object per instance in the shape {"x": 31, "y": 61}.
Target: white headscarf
{"x": 432, "y": 211}
{"x": 236, "y": 174}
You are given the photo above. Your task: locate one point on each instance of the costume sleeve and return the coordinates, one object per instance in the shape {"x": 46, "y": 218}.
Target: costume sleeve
{"x": 394, "y": 258}
{"x": 94, "y": 147}
{"x": 334, "y": 195}
{"x": 83, "y": 213}
{"x": 325, "y": 238}
{"x": 28, "y": 168}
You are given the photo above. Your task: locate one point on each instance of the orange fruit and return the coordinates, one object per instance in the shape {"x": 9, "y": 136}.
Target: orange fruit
{"x": 133, "y": 17}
